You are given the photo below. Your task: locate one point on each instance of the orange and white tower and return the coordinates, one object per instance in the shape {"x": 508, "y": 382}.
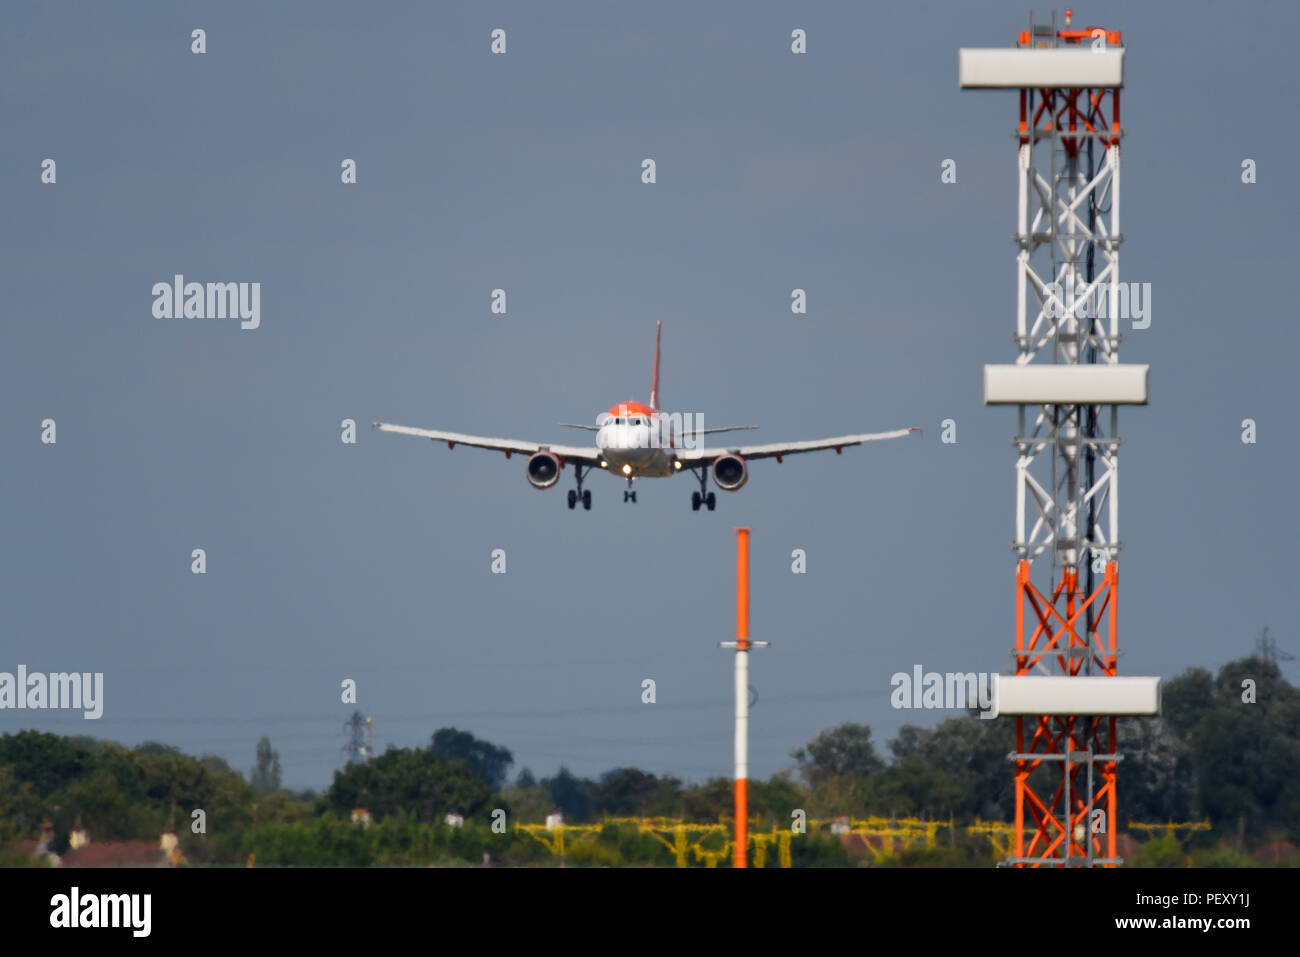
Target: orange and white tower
{"x": 742, "y": 644}
{"x": 1067, "y": 383}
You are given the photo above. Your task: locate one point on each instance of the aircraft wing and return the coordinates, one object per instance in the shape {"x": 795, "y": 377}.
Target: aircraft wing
{"x": 588, "y": 455}
{"x": 779, "y": 450}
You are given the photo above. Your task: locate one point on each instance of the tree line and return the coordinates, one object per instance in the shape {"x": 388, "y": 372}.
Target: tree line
{"x": 1226, "y": 748}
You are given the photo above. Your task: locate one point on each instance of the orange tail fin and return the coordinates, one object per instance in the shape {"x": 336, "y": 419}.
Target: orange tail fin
{"x": 654, "y": 379}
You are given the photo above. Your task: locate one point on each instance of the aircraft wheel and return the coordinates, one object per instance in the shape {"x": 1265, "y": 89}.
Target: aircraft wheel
{"x": 695, "y": 501}
{"x": 711, "y": 500}
{"x": 573, "y": 498}
{"x": 586, "y": 499}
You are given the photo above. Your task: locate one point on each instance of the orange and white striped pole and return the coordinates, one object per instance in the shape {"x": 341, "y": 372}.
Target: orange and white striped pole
{"x": 742, "y": 645}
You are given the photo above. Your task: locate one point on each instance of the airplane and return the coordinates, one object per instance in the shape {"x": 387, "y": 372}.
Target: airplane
{"x": 638, "y": 440}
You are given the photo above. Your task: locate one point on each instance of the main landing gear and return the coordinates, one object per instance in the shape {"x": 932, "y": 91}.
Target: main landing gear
{"x": 703, "y": 496}
{"x": 580, "y": 495}
{"x": 628, "y": 494}
{"x": 710, "y": 500}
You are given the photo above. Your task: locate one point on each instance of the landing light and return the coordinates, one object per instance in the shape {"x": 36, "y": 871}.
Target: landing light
{"x": 604, "y": 464}
{"x": 677, "y": 465}
{"x": 627, "y": 470}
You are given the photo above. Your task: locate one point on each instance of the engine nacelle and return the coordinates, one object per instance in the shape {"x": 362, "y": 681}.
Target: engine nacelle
{"x": 544, "y": 469}
{"x": 730, "y": 472}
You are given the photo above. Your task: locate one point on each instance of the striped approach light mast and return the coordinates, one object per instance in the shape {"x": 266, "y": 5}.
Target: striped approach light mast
{"x": 742, "y": 644}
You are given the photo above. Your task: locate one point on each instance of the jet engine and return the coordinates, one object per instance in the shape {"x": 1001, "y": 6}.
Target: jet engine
{"x": 544, "y": 469}
{"x": 730, "y": 472}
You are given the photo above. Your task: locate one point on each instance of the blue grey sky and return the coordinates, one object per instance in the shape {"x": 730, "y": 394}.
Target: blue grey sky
{"x": 775, "y": 171}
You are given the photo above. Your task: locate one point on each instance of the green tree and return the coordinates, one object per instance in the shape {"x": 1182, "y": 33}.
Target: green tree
{"x": 774, "y": 801}
{"x": 1157, "y": 778}
{"x": 489, "y": 761}
{"x": 19, "y": 803}
{"x": 1186, "y": 699}
{"x": 328, "y": 842}
{"x": 1164, "y": 851}
{"x": 843, "y": 749}
{"x": 526, "y": 805}
{"x": 417, "y": 781}
{"x": 968, "y": 756}
{"x": 711, "y": 801}
{"x": 107, "y": 812}
{"x": 571, "y": 794}
{"x": 1247, "y": 755}
{"x": 266, "y": 772}
{"x": 156, "y": 747}
{"x": 45, "y": 761}
{"x": 631, "y": 791}
{"x": 914, "y": 789}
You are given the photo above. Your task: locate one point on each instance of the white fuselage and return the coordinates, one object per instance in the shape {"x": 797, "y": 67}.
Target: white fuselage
{"x": 637, "y": 445}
